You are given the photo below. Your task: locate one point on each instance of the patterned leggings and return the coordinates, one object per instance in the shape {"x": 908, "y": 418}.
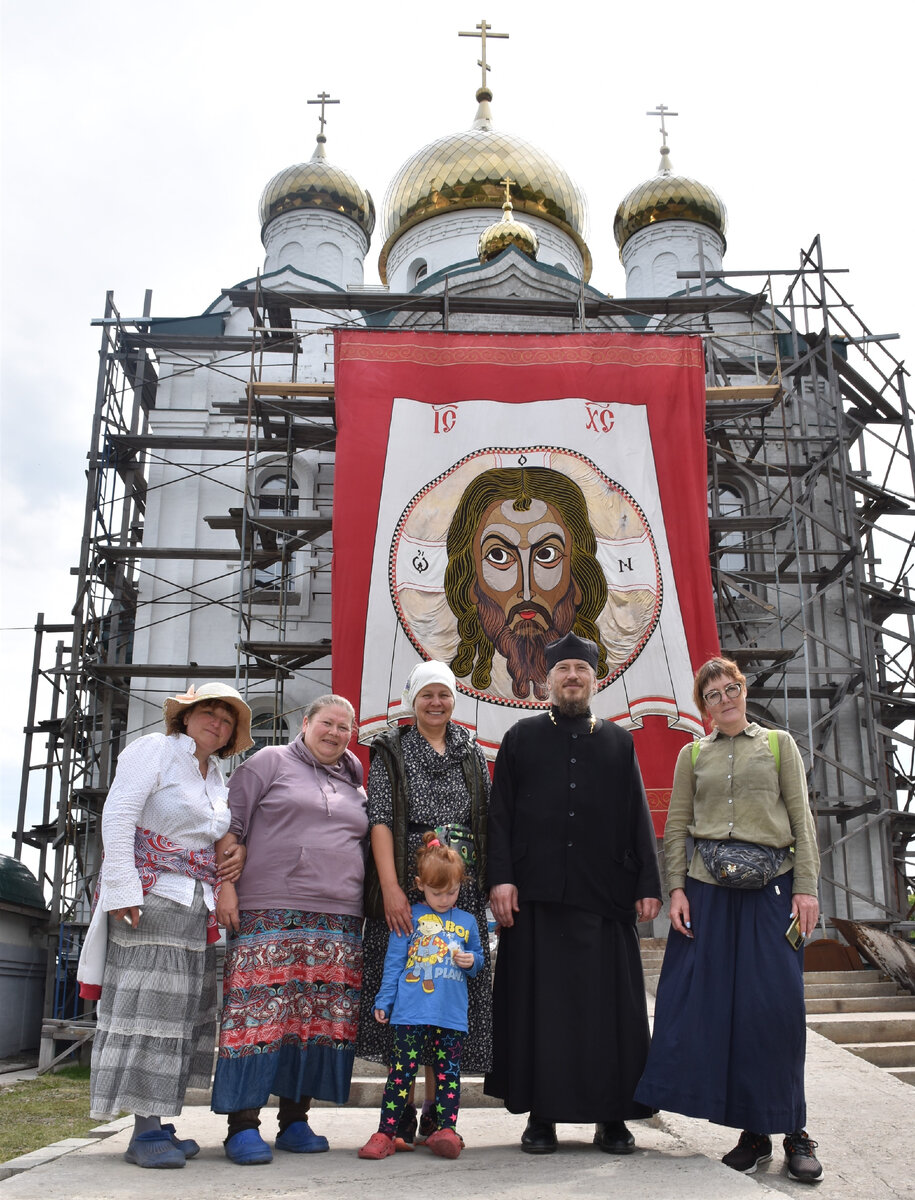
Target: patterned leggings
{"x": 406, "y": 1051}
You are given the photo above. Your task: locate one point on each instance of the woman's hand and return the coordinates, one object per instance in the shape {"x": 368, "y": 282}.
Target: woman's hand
{"x": 679, "y": 912}
{"x": 229, "y": 867}
{"x": 503, "y": 900}
{"x": 807, "y": 910}
{"x": 130, "y": 915}
{"x": 227, "y": 907}
{"x": 647, "y": 908}
{"x": 397, "y": 910}
{"x": 381, "y": 1016}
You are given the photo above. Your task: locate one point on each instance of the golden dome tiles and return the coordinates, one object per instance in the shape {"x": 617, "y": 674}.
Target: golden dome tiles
{"x": 668, "y": 197}
{"x": 463, "y": 170}
{"x": 317, "y": 184}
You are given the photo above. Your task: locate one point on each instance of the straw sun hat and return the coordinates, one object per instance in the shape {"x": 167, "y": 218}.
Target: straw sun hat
{"x": 174, "y": 705}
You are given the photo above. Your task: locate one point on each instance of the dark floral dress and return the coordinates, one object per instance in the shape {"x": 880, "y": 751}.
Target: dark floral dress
{"x": 438, "y": 795}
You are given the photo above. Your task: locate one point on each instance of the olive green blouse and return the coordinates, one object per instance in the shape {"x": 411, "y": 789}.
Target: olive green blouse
{"x": 735, "y": 791}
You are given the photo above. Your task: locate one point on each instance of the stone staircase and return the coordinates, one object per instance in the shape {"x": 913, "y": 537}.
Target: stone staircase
{"x": 863, "y": 1011}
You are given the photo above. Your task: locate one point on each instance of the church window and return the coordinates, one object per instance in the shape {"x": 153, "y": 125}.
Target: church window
{"x": 419, "y": 269}
{"x": 275, "y": 499}
{"x": 330, "y": 263}
{"x": 728, "y": 502}
{"x": 267, "y": 729}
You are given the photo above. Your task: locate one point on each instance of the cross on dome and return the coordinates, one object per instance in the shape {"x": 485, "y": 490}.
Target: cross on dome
{"x": 323, "y": 99}
{"x": 663, "y": 111}
{"x": 482, "y": 31}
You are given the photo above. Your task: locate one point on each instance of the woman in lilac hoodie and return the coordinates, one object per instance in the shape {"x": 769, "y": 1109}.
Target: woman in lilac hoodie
{"x": 293, "y": 968}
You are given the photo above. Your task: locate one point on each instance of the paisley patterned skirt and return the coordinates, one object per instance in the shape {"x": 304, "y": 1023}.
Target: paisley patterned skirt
{"x": 290, "y": 1008}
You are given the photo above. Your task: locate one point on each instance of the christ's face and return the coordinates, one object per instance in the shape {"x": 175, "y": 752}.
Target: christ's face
{"x": 522, "y": 564}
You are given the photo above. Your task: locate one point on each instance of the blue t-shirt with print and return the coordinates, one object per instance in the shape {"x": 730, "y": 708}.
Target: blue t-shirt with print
{"x": 421, "y": 984}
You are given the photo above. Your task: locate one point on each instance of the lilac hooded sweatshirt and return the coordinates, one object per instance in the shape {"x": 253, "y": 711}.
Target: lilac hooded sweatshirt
{"x": 305, "y": 828}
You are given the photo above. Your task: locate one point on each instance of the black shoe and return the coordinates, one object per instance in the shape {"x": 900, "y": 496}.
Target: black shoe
{"x": 406, "y": 1129}
{"x": 751, "y": 1150}
{"x": 613, "y": 1137}
{"x": 803, "y": 1164}
{"x": 539, "y": 1137}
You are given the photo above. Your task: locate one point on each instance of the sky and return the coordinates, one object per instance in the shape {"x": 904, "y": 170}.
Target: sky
{"x": 137, "y": 139}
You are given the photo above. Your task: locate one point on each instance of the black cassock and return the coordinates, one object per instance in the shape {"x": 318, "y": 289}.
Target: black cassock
{"x": 569, "y": 826}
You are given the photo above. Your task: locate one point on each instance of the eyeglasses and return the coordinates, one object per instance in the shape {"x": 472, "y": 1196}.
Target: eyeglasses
{"x": 732, "y": 691}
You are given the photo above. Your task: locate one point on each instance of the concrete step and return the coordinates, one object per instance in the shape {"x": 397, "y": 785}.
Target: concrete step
{"x": 861, "y": 1004}
{"x": 884, "y": 1054}
{"x": 906, "y": 1074}
{"x": 365, "y": 1092}
{"x": 865, "y": 1027}
{"x": 862, "y": 976}
{"x": 823, "y": 991}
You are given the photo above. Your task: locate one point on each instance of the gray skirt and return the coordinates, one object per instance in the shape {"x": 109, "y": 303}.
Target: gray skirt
{"x": 156, "y": 1028}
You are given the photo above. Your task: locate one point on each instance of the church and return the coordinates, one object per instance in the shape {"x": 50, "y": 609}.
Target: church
{"x": 210, "y": 546}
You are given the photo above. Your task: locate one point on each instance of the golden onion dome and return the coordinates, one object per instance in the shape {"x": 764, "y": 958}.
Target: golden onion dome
{"x": 317, "y": 184}
{"x": 668, "y": 197}
{"x": 507, "y": 232}
{"x": 464, "y": 170}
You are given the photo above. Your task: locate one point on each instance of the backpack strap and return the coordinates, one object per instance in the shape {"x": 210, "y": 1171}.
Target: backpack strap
{"x": 773, "y": 746}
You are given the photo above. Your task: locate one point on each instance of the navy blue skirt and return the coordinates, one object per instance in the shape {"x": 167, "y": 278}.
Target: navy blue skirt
{"x": 730, "y": 1027}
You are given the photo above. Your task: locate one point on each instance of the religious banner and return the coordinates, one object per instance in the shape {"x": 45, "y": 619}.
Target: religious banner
{"x": 493, "y": 492}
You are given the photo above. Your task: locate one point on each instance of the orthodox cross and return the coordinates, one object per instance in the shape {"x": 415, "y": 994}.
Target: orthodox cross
{"x": 323, "y": 98}
{"x": 482, "y": 30}
{"x": 661, "y": 111}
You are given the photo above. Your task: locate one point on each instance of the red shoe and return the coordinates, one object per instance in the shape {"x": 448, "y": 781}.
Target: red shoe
{"x": 379, "y": 1145}
{"x": 445, "y": 1143}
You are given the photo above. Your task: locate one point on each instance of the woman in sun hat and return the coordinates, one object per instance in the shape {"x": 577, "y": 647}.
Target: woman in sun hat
{"x": 148, "y": 956}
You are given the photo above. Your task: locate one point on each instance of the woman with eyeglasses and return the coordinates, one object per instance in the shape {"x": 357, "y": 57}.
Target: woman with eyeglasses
{"x": 730, "y": 1029}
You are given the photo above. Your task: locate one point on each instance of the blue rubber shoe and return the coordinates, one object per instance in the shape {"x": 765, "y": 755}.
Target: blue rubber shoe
{"x": 154, "y": 1149}
{"x": 247, "y": 1148}
{"x": 299, "y": 1138}
{"x": 187, "y": 1146}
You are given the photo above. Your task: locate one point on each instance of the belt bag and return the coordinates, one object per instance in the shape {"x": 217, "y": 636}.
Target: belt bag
{"x": 459, "y": 838}
{"x": 740, "y": 864}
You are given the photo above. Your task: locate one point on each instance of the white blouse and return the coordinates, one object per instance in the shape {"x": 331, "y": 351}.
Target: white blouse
{"x": 158, "y": 786}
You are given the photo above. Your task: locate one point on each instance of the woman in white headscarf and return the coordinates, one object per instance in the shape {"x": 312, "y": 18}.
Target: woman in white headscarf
{"x": 429, "y": 775}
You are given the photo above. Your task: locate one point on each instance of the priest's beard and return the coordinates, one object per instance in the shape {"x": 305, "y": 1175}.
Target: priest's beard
{"x": 572, "y": 707}
{"x": 523, "y": 647}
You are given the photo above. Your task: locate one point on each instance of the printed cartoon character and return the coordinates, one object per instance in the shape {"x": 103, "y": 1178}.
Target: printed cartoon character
{"x": 427, "y": 949}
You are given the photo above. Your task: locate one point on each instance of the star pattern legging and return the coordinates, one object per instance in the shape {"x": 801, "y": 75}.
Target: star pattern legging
{"x": 406, "y": 1049}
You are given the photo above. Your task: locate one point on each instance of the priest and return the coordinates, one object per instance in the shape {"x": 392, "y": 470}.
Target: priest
{"x": 573, "y": 866}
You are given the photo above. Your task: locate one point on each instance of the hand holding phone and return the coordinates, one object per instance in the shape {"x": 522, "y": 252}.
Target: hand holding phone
{"x": 793, "y": 933}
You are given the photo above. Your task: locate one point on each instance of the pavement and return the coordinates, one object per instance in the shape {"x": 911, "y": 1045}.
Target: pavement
{"x": 860, "y": 1115}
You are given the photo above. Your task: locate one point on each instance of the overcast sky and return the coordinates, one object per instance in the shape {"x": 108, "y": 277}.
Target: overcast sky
{"x": 137, "y": 139}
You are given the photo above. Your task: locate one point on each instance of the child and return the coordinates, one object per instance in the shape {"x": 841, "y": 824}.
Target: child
{"x": 424, "y": 995}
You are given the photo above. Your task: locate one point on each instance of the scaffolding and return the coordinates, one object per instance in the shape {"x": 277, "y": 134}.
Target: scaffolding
{"x": 811, "y": 498}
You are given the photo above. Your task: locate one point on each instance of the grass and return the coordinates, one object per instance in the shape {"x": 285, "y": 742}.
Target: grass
{"x": 36, "y": 1112}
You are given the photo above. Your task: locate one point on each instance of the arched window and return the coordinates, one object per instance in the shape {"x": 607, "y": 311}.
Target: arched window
{"x": 276, "y": 499}
{"x": 419, "y": 269}
{"x": 729, "y": 503}
{"x": 267, "y": 730}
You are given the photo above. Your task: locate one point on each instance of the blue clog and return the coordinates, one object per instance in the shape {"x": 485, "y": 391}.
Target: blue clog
{"x": 247, "y": 1148}
{"x": 299, "y": 1138}
{"x": 154, "y": 1149}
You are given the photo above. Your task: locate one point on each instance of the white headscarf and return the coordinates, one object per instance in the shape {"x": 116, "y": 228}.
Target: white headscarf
{"x": 425, "y": 673}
